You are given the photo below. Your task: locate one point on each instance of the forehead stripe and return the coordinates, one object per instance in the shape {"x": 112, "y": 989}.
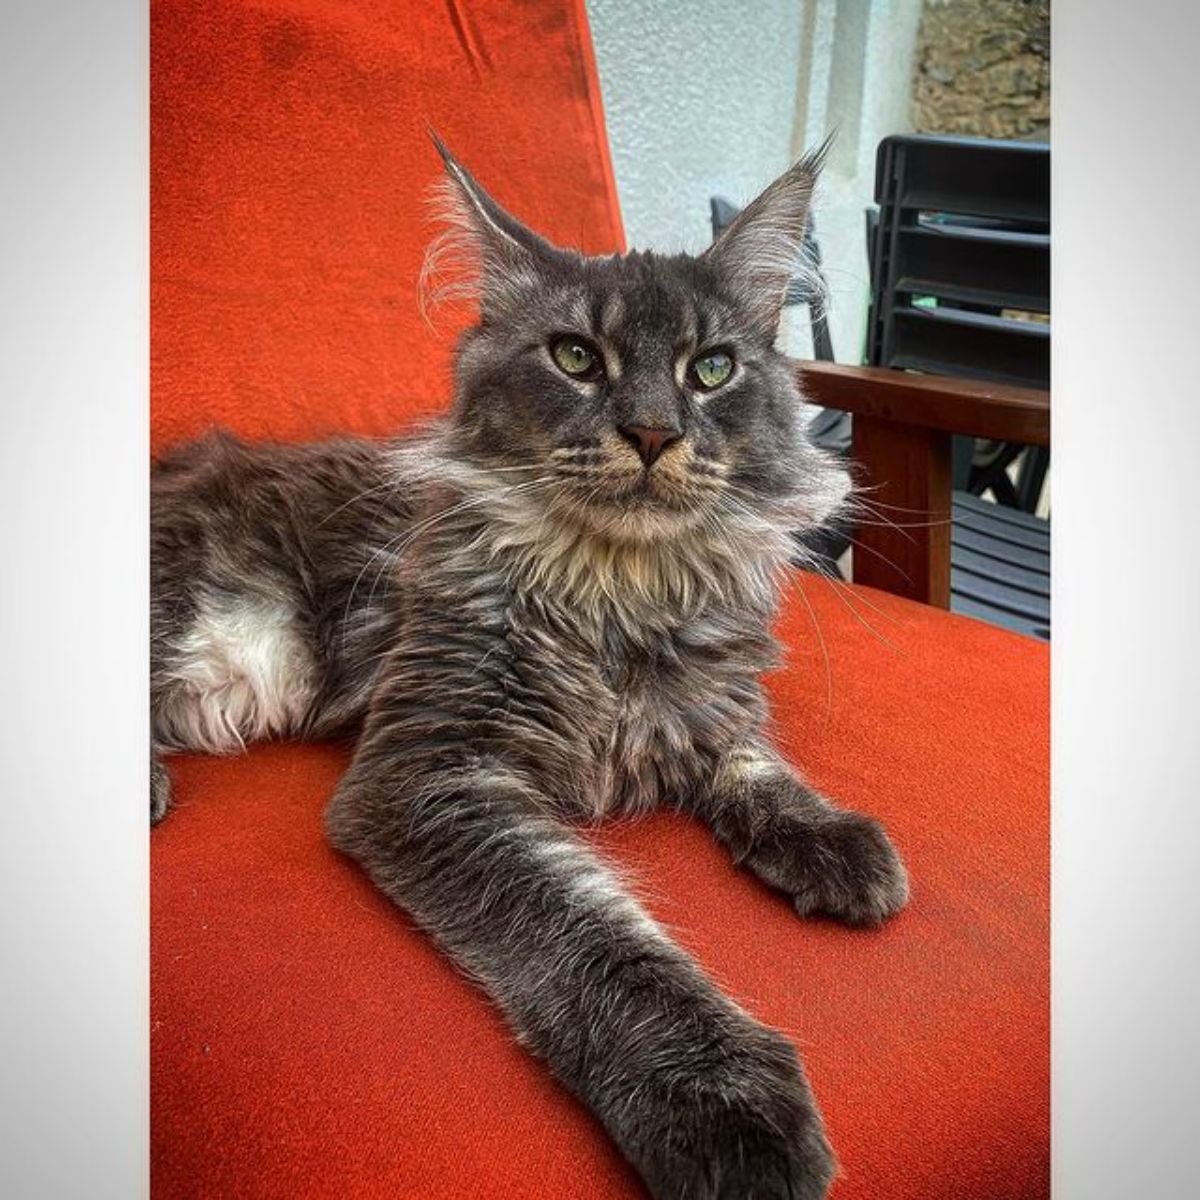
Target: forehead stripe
{"x": 612, "y": 310}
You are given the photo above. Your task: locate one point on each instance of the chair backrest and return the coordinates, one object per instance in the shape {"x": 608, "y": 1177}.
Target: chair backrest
{"x": 960, "y": 258}
{"x": 290, "y": 175}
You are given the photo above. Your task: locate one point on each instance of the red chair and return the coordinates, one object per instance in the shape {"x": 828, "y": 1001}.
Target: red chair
{"x": 306, "y": 1040}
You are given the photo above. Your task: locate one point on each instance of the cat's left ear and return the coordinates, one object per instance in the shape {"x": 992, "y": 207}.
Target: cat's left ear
{"x": 485, "y": 251}
{"x": 762, "y": 249}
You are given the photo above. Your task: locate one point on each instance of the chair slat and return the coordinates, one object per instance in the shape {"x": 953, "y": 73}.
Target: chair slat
{"x": 1022, "y": 556}
{"x": 999, "y": 594}
{"x": 966, "y": 607}
{"x": 983, "y": 564}
{"x": 1032, "y": 539}
{"x": 1000, "y": 512}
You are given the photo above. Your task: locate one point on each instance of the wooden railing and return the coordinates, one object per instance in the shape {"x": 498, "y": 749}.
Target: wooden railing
{"x": 902, "y": 428}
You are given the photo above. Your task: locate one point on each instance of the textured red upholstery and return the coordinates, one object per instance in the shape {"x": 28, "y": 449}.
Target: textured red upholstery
{"x": 306, "y": 1040}
{"x": 291, "y": 169}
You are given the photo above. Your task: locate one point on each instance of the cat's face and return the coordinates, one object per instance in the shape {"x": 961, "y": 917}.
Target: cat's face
{"x": 642, "y": 392}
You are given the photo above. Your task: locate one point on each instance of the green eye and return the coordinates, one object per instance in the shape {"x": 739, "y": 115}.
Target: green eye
{"x": 711, "y": 370}
{"x": 575, "y": 357}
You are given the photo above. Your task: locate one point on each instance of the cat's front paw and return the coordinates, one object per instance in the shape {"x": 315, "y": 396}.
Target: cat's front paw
{"x": 747, "y": 1127}
{"x": 842, "y": 865}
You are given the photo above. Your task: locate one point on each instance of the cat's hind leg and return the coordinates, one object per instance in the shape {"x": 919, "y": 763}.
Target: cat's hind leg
{"x": 160, "y": 789}
{"x": 241, "y": 670}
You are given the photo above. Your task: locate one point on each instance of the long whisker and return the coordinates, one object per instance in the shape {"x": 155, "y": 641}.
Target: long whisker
{"x": 898, "y": 525}
{"x": 863, "y": 492}
{"x": 862, "y": 599}
{"x": 824, "y": 651}
{"x": 395, "y": 546}
{"x": 454, "y": 510}
{"x": 844, "y": 593}
{"x": 387, "y": 485}
{"x": 882, "y": 557}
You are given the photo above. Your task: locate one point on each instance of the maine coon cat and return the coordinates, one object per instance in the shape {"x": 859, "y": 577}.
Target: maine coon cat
{"x": 551, "y": 606}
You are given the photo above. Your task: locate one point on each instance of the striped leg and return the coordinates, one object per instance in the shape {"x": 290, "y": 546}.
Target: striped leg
{"x": 703, "y": 1100}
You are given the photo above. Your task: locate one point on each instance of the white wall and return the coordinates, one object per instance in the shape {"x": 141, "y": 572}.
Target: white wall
{"x": 860, "y": 83}
{"x": 699, "y": 97}
{"x": 707, "y": 97}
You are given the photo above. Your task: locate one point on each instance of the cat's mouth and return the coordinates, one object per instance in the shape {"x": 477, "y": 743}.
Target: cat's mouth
{"x": 644, "y": 487}
{"x": 605, "y": 489}
{"x": 636, "y": 504}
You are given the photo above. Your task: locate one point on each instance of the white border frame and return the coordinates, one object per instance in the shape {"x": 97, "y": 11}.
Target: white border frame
{"x": 74, "y": 579}
{"x": 73, "y": 608}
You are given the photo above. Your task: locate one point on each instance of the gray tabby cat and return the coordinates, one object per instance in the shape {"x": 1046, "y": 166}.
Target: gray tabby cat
{"x": 552, "y": 606}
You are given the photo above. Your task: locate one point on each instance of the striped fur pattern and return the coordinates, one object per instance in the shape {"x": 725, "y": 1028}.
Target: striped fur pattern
{"x": 531, "y": 626}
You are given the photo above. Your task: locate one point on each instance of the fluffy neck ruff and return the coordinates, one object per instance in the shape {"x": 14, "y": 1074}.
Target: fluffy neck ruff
{"x": 652, "y": 580}
{"x": 645, "y": 583}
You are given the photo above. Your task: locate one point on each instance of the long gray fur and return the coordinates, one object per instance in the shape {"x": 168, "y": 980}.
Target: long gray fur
{"x": 532, "y": 628}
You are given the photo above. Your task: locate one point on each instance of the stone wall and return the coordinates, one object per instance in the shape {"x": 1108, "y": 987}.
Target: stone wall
{"x": 983, "y": 68}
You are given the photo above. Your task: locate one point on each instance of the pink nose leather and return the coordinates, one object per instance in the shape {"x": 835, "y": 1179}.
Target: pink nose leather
{"x": 649, "y": 443}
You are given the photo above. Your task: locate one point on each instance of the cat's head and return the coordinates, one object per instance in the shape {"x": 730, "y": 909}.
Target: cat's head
{"x": 639, "y": 395}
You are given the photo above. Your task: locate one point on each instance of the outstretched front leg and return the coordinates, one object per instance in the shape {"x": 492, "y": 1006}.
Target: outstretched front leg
{"x": 704, "y": 1101}
{"x": 828, "y": 860}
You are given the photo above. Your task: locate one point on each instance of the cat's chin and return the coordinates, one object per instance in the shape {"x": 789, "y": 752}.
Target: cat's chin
{"x": 653, "y": 524}
{"x": 623, "y": 524}
{"x": 641, "y": 513}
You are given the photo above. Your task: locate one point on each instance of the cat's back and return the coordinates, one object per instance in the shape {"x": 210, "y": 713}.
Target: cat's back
{"x": 219, "y": 474}
{"x": 244, "y": 513}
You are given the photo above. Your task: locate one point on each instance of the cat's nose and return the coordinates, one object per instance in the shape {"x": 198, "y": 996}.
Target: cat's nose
{"x": 649, "y": 443}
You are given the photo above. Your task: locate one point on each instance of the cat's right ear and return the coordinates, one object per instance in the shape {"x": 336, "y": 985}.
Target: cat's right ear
{"x": 484, "y": 252}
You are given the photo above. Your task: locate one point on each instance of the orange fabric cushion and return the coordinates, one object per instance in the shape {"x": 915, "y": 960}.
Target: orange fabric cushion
{"x": 291, "y": 171}
{"x": 309, "y": 1041}
{"x": 306, "y": 1040}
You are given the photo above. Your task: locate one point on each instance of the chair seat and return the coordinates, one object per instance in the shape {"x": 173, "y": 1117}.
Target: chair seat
{"x": 1000, "y": 565}
{"x": 308, "y": 1041}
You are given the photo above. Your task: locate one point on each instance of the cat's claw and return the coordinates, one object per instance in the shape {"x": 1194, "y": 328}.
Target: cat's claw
{"x": 160, "y": 791}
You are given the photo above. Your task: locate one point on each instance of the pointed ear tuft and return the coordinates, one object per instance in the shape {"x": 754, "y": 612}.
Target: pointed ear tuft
{"x": 762, "y": 249}
{"x": 483, "y": 253}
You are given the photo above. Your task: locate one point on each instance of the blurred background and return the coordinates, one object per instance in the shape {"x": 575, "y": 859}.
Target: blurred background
{"x": 708, "y": 97}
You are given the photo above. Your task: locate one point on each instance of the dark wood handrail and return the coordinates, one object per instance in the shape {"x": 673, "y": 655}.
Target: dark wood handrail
{"x": 901, "y": 442}
{"x": 968, "y": 406}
